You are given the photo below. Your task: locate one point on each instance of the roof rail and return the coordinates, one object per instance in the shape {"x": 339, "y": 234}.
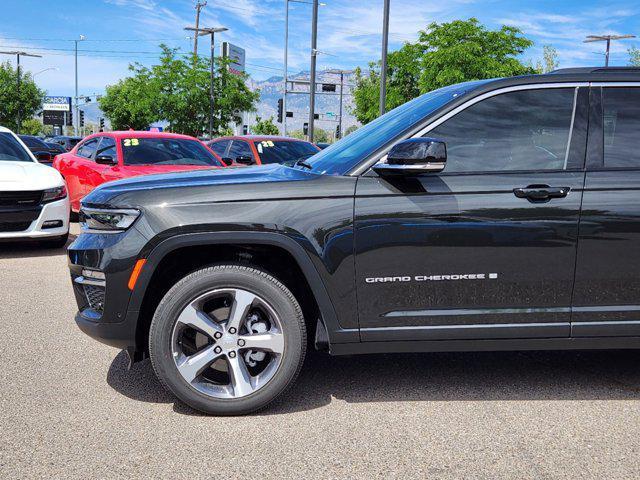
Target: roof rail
{"x": 565, "y": 71}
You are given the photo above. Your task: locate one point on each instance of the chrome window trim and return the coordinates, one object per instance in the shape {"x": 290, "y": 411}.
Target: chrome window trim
{"x": 615, "y": 84}
{"x": 367, "y": 164}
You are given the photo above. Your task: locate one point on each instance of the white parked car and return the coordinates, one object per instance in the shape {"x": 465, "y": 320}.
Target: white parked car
{"x": 33, "y": 197}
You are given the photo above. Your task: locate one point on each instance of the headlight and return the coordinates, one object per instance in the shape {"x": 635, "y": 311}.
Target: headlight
{"x": 114, "y": 220}
{"x": 53, "y": 194}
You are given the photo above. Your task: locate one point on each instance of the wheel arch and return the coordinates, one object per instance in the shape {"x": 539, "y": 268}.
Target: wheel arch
{"x": 327, "y": 317}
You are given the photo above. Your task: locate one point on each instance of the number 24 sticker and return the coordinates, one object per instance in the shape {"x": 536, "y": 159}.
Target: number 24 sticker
{"x": 131, "y": 142}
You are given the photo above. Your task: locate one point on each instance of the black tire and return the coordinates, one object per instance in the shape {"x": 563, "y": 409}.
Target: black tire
{"x": 228, "y": 276}
{"x": 56, "y": 242}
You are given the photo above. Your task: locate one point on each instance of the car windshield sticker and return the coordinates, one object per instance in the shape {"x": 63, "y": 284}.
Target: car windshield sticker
{"x": 131, "y": 142}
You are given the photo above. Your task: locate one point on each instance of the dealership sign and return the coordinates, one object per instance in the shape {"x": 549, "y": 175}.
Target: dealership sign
{"x": 56, "y": 104}
{"x": 235, "y": 55}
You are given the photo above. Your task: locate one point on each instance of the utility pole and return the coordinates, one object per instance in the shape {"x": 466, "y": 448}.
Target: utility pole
{"x": 199, "y": 6}
{"x": 286, "y": 59}
{"x": 19, "y": 80}
{"x": 77, "y": 116}
{"x": 212, "y": 32}
{"x": 608, "y": 39}
{"x": 312, "y": 80}
{"x": 383, "y": 66}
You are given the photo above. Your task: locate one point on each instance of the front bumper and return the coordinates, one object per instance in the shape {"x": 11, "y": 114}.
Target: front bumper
{"x": 103, "y": 311}
{"x": 54, "y": 211}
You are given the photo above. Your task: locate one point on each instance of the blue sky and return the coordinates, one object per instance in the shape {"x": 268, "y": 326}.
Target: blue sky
{"x": 121, "y": 31}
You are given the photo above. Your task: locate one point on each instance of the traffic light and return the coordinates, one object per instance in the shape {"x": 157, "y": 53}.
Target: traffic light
{"x": 280, "y": 110}
{"x": 245, "y": 129}
{"x": 102, "y": 124}
{"x": 338, "y": 132}
{"x": 82, "y": 118}
{"x": 305, "y": 128}
{"x": 70, "y": 118}
{"x": 328, "y": 87}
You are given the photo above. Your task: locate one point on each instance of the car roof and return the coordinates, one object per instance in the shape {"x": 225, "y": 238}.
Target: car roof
{"x": 5, "y": 129}
{"x": 258, "y": 137}
{"x": 144, "y": 134}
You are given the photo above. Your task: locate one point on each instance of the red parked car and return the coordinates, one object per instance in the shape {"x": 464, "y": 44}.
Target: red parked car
{"x": 107, "y": 156}
{"x": 262, "y": 149}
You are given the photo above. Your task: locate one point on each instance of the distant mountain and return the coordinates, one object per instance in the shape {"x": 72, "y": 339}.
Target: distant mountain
{"x": 327, "y": 104}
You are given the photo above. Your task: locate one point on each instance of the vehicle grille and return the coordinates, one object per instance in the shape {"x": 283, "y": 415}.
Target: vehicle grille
{"x": 95, "y": 297}
{"x": 20, "y": 199}
{"x": 14, "y": 226}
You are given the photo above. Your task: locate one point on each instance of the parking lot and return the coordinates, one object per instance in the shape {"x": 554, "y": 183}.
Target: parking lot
{"x": 71, "y": 409}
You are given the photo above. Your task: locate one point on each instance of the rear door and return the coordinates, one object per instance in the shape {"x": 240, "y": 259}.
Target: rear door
{"x": 607, "y": 291}
{"x": 478, "y": 251}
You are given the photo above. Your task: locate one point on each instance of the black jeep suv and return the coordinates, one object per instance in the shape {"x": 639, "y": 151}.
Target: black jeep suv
{"x": 490, "y": 215}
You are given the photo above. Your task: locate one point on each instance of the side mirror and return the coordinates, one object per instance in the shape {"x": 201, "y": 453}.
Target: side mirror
{"x": 106, "y": 160}
{"x": 227, "y": 161}
{"x": 414, "y": 156}
{"x": 43, "y": 157}
{"x": 244, "y": 160}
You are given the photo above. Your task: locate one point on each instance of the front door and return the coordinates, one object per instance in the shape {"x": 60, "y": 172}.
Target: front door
{"x": 487, "y": 248}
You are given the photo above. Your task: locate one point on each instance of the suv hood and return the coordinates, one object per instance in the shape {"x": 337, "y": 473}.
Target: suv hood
{"x": 241, "y": 183}
{"x": 17, "y": 176}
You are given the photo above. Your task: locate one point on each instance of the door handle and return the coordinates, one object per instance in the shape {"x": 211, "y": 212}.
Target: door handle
{"x": 541, "y": 193}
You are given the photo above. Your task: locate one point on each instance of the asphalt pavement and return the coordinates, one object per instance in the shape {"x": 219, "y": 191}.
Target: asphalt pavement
{"x": 69, "y": 408}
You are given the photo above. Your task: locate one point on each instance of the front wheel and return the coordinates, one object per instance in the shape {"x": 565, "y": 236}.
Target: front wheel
{"x": 227, "y": 340}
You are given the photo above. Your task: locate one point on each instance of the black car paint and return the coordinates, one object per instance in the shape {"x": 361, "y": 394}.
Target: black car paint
{"x": 344, "y": 229}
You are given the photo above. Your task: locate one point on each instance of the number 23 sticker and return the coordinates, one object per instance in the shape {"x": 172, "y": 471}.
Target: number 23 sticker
{"x": 131, "y": 142}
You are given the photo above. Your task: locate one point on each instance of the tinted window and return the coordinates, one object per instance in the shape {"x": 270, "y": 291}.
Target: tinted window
{"x": 285, "y": 152}
{"x": 621, "y": 127}
{"x": 344, "y": 155}
{"x": 107, "y": 147}
{"x": 240, "y": 148}
{"x": 523, "y": 130}
{"x": 33, "y": 142}
{"x": 88, "y": 148}
{"x": 11, "y": 150}
{"x": 166, "y": 151}
{"x": 220, "y": 147}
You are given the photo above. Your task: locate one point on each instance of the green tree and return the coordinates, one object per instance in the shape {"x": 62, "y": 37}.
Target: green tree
{"x": 299, "y": 134}
{"x": 349, "y": 130}
{"x": 634, "y": 56}
{"x": 177, "y": 90}
{"x": 265, "y": 127}
{"x": 32, "y": 126}
{"x": 320, "y": 135}
{"x": 27, "y": 101}
{"x": 549, "y": 60}
{"x": 444, "y": 54}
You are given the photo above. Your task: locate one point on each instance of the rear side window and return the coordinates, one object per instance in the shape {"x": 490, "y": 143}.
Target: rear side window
{"x": 88, "y": 148}
{"x": 521, "y": 130}
{"x": 220, "y": 147}
{"x": 166, "y": 151}
{"x": 621, "y": 127}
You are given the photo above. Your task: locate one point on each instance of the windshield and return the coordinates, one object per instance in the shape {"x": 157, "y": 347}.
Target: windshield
{"x": 166, "y": 151}
{"x": 344, "y": 155}
{"x": 11, "y": 150}
{"x": 283, "y": 151}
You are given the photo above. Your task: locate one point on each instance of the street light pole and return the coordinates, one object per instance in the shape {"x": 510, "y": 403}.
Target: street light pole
{"x": 383, "y": 67}
{"x": 18, "y": 55}
{"x": 212, "y": 32}
{"x": 312, "y": 73}
{"x": 76, "y": 123}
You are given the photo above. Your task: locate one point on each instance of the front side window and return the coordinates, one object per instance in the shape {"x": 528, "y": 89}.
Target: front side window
{"x": 521, "y": 130}
{"x": 107, "y": 147}
{"x": 166, "y": 151}
{"x": 219, "y": 147}
{"x": 11, "y": 150}
{"x": 621, "y": 127}
{"x": 88, "y": 148}
{"x": 240, "y": 148}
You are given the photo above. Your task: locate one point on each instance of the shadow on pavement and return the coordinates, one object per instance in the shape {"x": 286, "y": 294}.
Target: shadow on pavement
{"x": 24, "y": 248}
{"x": 503, "y": 376}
